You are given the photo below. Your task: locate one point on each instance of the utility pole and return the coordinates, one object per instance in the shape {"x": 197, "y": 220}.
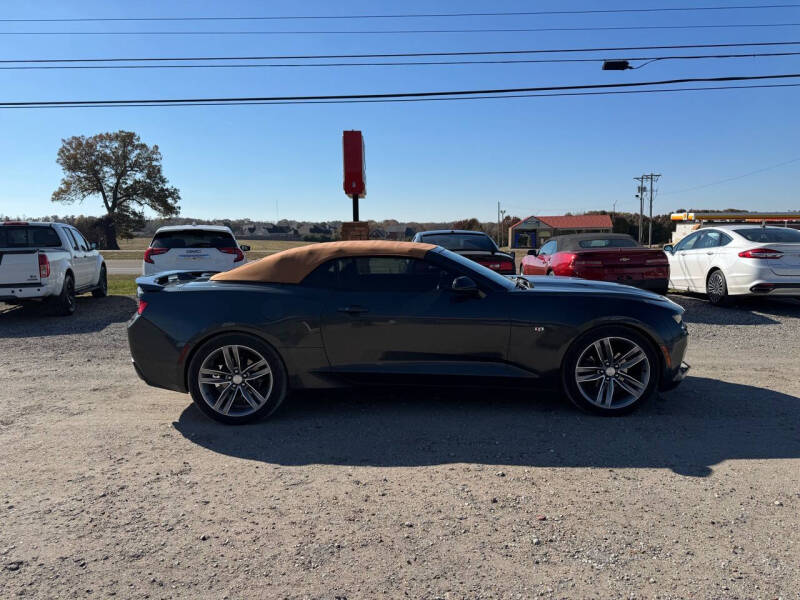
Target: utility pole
{"x": 500, "y": 215}
{"x": 653, "y": 178}
{"x": 640, "y": 195}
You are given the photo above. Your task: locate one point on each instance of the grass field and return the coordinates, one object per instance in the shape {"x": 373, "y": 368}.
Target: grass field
{"x": 134, "y": 248}
{"x": 122, "y": 285}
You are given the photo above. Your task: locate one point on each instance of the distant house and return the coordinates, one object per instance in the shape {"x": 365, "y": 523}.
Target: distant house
{"x": 534, "y": 231}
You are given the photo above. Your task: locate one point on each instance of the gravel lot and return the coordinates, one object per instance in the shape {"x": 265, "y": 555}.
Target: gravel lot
{"x": 111, "y": 488}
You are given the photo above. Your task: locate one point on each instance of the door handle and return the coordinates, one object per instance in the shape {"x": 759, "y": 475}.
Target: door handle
{"x": 709, "y": 252}
{"x": 353, "y": 310}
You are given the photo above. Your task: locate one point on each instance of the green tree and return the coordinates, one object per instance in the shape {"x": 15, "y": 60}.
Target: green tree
{"x": 121, "y": 169}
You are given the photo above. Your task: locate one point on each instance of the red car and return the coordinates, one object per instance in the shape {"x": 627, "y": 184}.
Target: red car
{"x": 612, "y": 257}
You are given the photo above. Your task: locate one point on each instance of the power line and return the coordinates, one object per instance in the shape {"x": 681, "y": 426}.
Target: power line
{"x": 402, "y": 95}
{"x": 650, "y": 59}
{"x": 406, "y": 54}
{"x": 726, "y": 180}
{"x": 413, "y": 31}
{"x": 409, "y": 15}
{"x": 427, "y": 99}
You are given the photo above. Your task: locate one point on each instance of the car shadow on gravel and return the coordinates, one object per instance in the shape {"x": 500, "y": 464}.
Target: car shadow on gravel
{"x": 744, "y": 311}
{"x": 91, "y": 314}
{"x": 687, "y": 430}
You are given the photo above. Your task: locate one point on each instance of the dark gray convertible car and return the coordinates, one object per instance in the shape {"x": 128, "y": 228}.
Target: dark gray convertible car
{"x": 346, "y": 313}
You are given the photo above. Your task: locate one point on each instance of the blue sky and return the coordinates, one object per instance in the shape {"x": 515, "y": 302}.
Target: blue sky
{"x": 425, "y": 161}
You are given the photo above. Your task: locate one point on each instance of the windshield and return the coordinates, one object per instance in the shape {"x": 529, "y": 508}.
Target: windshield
{"x": 461, "y": 241}
{"x": 770, "y": 235}
{"x": 193, "y": 238}
{"x": 484, "y": 272}
{"x": 28, "y": 237}
{"x": 608, "y": 243}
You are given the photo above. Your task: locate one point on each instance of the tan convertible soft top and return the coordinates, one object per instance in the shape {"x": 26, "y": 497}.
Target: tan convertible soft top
{"x": 291, "y": 266}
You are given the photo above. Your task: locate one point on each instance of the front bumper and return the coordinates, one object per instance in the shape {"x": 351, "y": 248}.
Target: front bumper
{"x": 677, "y": 376}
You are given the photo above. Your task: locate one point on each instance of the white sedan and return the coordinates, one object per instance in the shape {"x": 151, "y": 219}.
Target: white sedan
{"x": 737, "y": 260}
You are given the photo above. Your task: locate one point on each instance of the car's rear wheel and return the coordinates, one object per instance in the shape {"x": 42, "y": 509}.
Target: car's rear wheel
{"x": 611, "y": 371}
{"x": 64, "y": 303}
{"x": 717, "y": 288}
{"x": 237, "y": 378}
{"x": 101, "y": 291}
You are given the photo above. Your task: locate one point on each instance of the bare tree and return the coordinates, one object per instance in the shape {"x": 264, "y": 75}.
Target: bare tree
{"x": 121, "y": 169}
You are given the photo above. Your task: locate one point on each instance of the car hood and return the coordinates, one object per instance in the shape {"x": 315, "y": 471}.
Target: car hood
{"x": 573, "y": 285}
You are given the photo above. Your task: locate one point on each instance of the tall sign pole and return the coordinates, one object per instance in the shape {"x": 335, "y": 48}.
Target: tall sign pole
{"x": 355, "y": 182}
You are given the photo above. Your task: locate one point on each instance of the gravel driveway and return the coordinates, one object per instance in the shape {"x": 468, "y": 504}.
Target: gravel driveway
{"x": 109, "y": 487}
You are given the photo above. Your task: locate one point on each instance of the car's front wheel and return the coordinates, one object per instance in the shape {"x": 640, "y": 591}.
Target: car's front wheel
{"x": 610, "y": 371}
{"x": 237, "y": 378}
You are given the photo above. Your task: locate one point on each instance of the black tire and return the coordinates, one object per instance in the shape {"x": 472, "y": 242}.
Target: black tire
{"x": 717, "y": 288}
{"x": 521, "y": 269}
{"x": 101, "y": 291}
{"x": 662, "y": 290}
{"x": 239, "y": 411}
{"x": 551, "y": 274}
{"x": 623, "y": 341}
{"x": 64, "y": 303}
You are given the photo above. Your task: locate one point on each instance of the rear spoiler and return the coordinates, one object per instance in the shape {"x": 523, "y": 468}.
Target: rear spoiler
{"x": 156, "y": 283}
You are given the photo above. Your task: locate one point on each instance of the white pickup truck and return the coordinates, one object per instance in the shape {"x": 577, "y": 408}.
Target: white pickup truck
{"x": 48, "y": 261}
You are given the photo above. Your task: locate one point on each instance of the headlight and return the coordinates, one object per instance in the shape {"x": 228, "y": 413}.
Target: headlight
{"x": 678, "y": 318}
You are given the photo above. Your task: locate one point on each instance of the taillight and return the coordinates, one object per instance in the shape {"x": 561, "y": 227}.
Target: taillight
{"x": 141, "y": 307}
{"x": 44, "y": 266}
{"x": 153, "y": 252}
{"x": 761, "y": 253}
{"x": 235, "y": 250}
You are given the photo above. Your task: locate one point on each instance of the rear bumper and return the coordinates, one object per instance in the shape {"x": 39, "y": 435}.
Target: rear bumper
{"x": 769, "y": 288}
{"x": 27, "y": 291}
{"x": 650, "y": 284}
{"x": 155, "y": 357}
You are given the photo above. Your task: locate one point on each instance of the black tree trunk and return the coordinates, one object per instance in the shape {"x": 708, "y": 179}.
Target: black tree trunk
{"x": 109, "y": 233}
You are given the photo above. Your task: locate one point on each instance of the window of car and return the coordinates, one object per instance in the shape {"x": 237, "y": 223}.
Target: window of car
{"x": 391, "y": 274}
{"x": 324, "y": 276}
{"x": 193, "y": 238}
{"x": 688, "y": 242}
{"x": 461, "y": 241}
{"x": 72, "y": 240}
{"x": 28, "y": 237}
{"x": 82, "y": 243}
{"x": 608, "y": 243}
{"x": 549, "y": 248}
{"x": 770, "y": 235}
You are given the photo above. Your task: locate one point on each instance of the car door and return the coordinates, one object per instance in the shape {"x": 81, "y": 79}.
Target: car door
{"x": 539, "y": 264}
{"x": 78, "y": 258}
{"x": 399, "y": 316}
{"x": 677, "y": 261}
{"x": 89, "y": 262}
{"x": 702, "y": 255}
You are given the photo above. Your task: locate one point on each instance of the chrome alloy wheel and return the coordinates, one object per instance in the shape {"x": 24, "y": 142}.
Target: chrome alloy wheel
{"x": 613, "y": 372}
{"x": 715, "y": 288}
{"x": 235, "y": 380}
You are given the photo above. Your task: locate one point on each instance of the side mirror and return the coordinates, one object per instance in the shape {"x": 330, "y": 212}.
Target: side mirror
{"x": 244, "y": 248}
{"x": 464, "y": 286}
{"x": 669, "y": 248}
{"x": 93, "y": 246}
{"x": 533, "y": 252}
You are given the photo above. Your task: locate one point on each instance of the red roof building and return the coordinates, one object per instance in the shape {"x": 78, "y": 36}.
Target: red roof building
{"x": 533, "y": 231}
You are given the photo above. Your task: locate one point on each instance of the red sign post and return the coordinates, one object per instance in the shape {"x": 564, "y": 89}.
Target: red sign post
{"x": 355, "y": 168}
